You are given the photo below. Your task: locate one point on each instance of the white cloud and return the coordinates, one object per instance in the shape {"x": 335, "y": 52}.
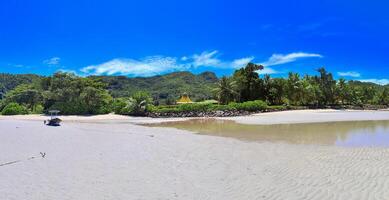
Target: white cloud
{"x": 350, "y": 74}
{"x": 237, "y": 63}
{"x": 210, "y": 59}
{"x": 268, "y": 70}
{"x": 155, "y": 65}
{"x": 377, "y": 81}
{"x": 69, "y": 71}
{"x": 18, "y": 65}
{"x": 206, "y": 59}
{"x": 52, "y": 61}
{"x": 277, "y": 59}
{"x": 148, "y": 66}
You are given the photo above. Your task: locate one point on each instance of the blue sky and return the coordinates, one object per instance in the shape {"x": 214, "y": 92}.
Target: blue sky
{"x": 144, "y": 38}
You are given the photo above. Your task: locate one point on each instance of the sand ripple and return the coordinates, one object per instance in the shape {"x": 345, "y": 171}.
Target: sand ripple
{"x": 105, "y": 161}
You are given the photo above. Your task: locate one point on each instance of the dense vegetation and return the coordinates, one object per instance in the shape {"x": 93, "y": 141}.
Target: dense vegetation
{"x": 10, "y": 81}
{"x": 245, "y": 91}
{"x": 314, "y": 91}
{"x": 250, "y": 106}
{"x": 63, "y": 91}
{"x": 164, "y": 88}
{"x": 14, "y": 109}
{"x": 138, "y": 104}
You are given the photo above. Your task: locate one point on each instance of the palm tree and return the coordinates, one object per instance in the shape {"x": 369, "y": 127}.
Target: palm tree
{"x": 384, "y": 97}
{"x": 137, "y": 104}
{"x": 226, "y": 90}
{"x": 342, "y": 90}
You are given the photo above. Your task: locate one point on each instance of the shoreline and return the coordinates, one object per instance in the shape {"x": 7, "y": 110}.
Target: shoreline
{"x": 265, "y": 118}
{"x": 311, "y": 116}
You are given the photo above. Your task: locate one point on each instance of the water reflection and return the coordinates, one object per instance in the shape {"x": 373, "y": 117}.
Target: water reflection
{"x": 356, "y": 133}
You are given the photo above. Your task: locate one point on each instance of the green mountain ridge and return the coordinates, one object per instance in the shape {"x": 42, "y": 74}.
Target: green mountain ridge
{"x": 10, "y": 81}
{"x": 171, "y": 85}
{"x": 161, "y": 87}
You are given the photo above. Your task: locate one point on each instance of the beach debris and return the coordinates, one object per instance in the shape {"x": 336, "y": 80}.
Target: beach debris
{"x": 10, "y": 163}
{"x": 43, "y": 154}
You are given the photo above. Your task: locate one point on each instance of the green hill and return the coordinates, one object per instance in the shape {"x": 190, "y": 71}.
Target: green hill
{"x": 161, "y": 87}
{"x": 10, "y": 81}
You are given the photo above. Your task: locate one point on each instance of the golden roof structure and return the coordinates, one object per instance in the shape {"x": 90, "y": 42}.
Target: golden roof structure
{"x": 184, "y": 99}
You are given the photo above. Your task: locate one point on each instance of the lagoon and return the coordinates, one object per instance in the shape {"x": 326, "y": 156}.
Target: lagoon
{"x": 347, "y": 133}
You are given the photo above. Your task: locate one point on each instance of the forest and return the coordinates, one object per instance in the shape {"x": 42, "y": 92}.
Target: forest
{"x": 244, "y": 90}
{"x": 319, "y": 90}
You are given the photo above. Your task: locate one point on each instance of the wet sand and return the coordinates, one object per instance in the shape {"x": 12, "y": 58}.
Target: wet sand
{"x": 128, "y": 161}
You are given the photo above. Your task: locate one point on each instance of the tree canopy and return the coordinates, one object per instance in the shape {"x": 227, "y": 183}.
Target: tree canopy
{"x": 71, "y": 94}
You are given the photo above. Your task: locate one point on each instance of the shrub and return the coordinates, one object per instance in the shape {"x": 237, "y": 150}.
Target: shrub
{"x": 250, "y": 106}
{"x": 119, "y": 106}
{"x": 37, "y": 109}
{"x": 164, "y": 109}
{"x": 170, "y": 101}
{"x": 195, "y": 107}
{"x": 205, "y": 107}
{"x": 137, "y": 105}
{"x": 2, "y": 104}
{"x": 70, "y": 108}
{"x": 14, "y": 109}
{"x": 223, "y": 107}
{"x": 127, "y": 106}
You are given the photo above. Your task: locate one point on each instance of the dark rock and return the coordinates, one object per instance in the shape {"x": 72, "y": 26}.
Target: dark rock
{"x": 217, "y": 113}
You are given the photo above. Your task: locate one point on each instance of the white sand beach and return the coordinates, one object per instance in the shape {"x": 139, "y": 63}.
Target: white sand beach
{"x": 282, "y": 117}
{"x": 88, "y": 159}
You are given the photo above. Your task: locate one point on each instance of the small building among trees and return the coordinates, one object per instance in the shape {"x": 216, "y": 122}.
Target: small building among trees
{"x": 184, "y": 99}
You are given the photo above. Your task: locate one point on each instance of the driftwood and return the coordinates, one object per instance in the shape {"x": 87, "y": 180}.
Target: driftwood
{"x": 43, "y": 155}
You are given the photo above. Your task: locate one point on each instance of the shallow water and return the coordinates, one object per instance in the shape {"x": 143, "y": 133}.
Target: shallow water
{"x": 355, "y": 133}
